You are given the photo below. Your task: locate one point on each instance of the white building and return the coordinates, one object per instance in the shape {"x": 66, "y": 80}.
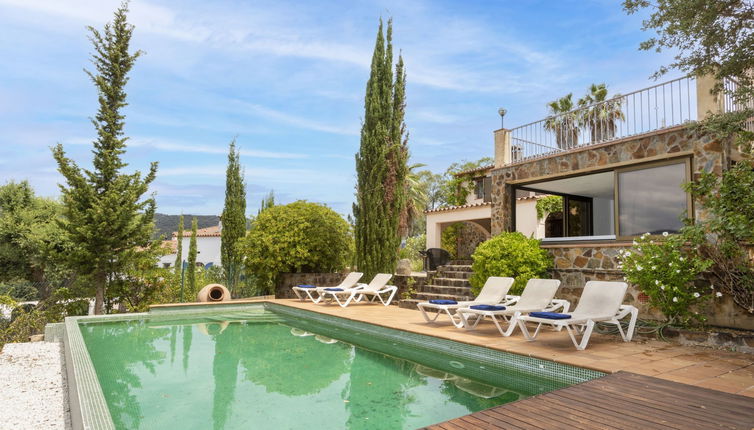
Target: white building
{"x": 207, "y": 246}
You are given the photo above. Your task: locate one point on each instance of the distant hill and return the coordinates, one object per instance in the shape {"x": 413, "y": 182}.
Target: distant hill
{"x": 166, "y": 224}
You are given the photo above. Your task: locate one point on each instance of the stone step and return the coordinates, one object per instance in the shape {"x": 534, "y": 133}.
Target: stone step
{"x": 437, "y": 289}
{"x": 454, "y": 275}
{"x": 455, "y": 268}
{"x": 451, "y": 282}
{"x": 460, "y": 262}
{"x": 433, "y": 296}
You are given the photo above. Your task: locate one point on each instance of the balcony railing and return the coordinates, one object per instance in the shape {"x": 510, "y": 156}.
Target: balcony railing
{"x": 654, "y": 108}
{"x": 730, "y": 104}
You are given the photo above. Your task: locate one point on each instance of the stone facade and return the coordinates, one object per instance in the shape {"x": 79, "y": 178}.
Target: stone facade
{"x": 707, "y": 155}
{"x": 288, "y": 280}
{"x": 469, "y": 237}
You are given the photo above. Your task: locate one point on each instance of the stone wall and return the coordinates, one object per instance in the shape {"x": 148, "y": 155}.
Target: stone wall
{"x": 469, "y": 237}
{"x": 575, "y": 265}
{"x": 708, "y": 155}
{"x": 288, "y": 280}
{"x": 401, "y": 281}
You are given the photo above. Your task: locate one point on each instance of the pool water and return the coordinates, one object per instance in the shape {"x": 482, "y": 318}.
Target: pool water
{"x": 267, "y": 372}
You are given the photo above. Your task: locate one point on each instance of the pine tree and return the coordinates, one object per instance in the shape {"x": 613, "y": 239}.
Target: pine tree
{"x": 104, "y": 213}
{"x": 381, "y": 163}
{"x": 233, "y": 218}
{"x": 191, "y": 269}
{"x": 179, "y": 250}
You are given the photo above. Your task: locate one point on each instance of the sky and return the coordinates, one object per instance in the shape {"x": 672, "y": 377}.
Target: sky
{"x": 286, "y": 79}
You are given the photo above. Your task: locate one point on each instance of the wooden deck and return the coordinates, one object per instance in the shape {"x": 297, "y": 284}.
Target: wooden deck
{"x": 619, "y": 401}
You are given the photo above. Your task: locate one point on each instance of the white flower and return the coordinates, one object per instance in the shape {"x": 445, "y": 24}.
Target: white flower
{"x": 645, "y": 234}
{"x": 635, "y": 243}
{"x": 621, "y": 252}
{"x": 696, "y": 295}
{"x": 677, "y": 270}
{"x": 662, "y": 287}
{"x": 675, "y": 299}
{"x": 665, "y": 233}
{"x": 654, "y": 267}
{"x": 711, "y": 287}
{"x": 638, "y": 268}
{"x": 682, "y": 259}
{"x": 657, "y": 282}
{"x": 628, "y": 253}
{"x": 718, "y": 294}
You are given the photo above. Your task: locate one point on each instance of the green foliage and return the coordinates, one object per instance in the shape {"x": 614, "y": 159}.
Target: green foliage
{"x": 410, "y": 290}
{"x": 563, "y": 122}
{"x": 726, "y": 233}
{"x": 104, "y": 214}
{"x": 191, "y": 266}
{"x": 665, "y": 269}
{"x": 19, "y": 289}
{"x": 267, "y": 202}
{"x": 32, "y": 245}
{"x": 7, "y": 301}
{"x": 412, "y": 217}
{"x": 449, "y": 239}
{"x": 548, "y": 205}
{"x": 381, "y": 163}
{"x": 414, "y": 245}
{"x": 141, "y": 280}
{"x": 178, "y": 266}
{"x": 457, "y": 187}
{"x": 234, "y": 219}
{"x": 509, "y": 254}
{"x": 601, "y": 118}
{"x": 297, "y": 237}
{"x": 708, "y": 37}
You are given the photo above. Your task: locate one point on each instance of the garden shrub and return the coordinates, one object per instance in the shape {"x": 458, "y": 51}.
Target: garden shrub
{"x": 512, "y": 255}
{"x": 297, "y": 237}
{"x": 449, "y": 239}
{"x": 665, "y": 269}
{"x": 414, "y": 245}
{"x": 20, "y": 290}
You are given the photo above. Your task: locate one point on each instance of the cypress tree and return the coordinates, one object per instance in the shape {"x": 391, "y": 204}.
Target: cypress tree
{"x": 381, "y": 163}
{"x": 233, "y": 218}
{"x": 191, "y": 269}
{"x": 179, "y": 250}
{"x": 104, "y": 213}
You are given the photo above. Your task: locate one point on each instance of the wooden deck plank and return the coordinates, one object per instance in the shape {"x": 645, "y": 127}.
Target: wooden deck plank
{"x": 621, "y": 400}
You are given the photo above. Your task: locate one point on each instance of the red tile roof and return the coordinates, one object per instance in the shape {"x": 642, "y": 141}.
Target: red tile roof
{"x": 452, "y": 208}
{"x": 213, "y": 231}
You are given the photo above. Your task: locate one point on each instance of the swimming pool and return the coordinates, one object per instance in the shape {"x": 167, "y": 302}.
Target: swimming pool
{"x": 272, "y": 366}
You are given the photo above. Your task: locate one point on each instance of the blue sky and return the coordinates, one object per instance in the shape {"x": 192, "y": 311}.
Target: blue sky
{"x": 286, "y": 78}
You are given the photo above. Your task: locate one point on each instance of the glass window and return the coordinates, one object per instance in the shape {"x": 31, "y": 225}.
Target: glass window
{"x": 651, "y": 200}
{"x": 479, "y": 188}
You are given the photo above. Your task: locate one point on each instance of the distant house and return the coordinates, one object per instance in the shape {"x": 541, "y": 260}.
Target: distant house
{"x": 207, "y": 246}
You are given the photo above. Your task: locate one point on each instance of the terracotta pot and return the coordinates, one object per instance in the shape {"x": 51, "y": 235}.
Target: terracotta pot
{"x": 213, "y": 293}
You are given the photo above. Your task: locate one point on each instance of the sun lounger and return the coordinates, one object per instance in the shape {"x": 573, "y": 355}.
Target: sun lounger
{"x": 374, "y": 290}
{"x": 538, "y": 295}
{"x": 309, "y": 291}
{"x": 600, "y": 301}
{"x": 494, "y": 292}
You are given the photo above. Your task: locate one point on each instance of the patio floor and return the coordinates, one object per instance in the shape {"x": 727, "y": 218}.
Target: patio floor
{"x": 725, "y": 371}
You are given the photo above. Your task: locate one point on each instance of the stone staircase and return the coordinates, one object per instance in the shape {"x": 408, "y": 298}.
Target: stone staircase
{"x": 450, "y": 282}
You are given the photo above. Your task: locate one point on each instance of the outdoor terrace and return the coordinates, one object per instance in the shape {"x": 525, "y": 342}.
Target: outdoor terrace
{"x": 655, "y": 108}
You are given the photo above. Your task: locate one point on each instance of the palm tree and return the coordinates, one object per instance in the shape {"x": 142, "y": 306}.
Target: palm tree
{"x": 416, "y": 199}
{"x": 563, "y": 122}
{"x": 599, "y": 113}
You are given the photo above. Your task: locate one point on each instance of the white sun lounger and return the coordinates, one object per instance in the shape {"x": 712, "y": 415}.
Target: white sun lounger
{"x": 538, "y": 295}
{"x": 495, "y": 291}
{"x": 349, "y": 282}
{"x": 375, "y": 289}
{"x": 601, "y": 301}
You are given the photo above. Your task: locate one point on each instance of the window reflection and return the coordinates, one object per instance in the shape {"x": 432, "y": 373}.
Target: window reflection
{"x": 651, "y": 200}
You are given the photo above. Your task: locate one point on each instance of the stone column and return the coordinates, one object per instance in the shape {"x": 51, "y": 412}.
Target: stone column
{"x": 502, "y": 147}
{"x": 434, "y": 233}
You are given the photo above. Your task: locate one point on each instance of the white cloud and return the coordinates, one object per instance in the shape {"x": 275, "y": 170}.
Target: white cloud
{"x": 171, "y": 146}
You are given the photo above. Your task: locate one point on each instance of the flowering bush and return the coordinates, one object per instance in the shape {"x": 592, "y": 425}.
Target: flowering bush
{"x": 665, "y": 270}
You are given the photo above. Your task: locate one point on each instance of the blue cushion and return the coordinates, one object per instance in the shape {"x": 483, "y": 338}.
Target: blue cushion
{"x": 488, "y": 308}
{"x": 333, "y": 289}
{"x": 443, "y": 302}
{"x": 550, "y": 315}
{"x": 306, "y": 286}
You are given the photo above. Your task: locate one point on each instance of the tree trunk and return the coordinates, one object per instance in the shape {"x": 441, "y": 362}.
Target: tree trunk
{"x": 100, "y": 279}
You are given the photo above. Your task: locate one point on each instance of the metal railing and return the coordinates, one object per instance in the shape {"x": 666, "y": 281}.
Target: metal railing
{"x": 654, "y": 108}
{"x": 730, "y": 104}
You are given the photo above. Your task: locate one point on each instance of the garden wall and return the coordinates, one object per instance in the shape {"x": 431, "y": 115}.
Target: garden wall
{"x": 469, "y": 237}
{"x": 575, "y": 265}
{"x": 288, "y": 280}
